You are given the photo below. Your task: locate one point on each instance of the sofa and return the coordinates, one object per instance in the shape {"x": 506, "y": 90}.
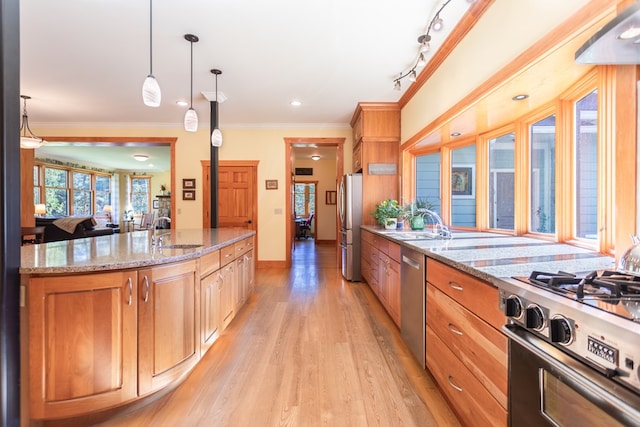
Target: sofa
{"x": 68, "y": 228}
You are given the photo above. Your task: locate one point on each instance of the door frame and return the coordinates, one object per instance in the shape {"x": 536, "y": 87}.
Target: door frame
{"x": 289, "y": 180}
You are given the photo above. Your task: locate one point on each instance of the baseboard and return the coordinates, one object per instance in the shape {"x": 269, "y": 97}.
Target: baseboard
{"x": 271, "y": 264}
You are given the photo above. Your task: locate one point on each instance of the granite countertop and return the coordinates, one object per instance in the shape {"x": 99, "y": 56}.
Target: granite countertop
{"x": 123, "y": 251}
{"x": 497, "y": 257}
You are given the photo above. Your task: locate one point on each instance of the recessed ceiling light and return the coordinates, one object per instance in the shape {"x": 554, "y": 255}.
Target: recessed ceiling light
{"x": 456, "y": 134}
{"x": 315, "y": 157}
{"x": 520, "y": 97}
{"x": 141, "y": 157}
{"x": 296, "y": 103}
{"x": 182, "y": 103}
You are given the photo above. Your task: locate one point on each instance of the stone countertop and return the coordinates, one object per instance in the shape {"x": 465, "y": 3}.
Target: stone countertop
{"x": 123, "y": 251}
{"x": 497, "y": 257}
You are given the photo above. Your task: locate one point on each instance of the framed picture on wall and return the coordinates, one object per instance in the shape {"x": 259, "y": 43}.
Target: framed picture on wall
{"x": 462, "y": 184}
{"x": 189, "y": 183}
{"x": 156, "y": 204}
{"x": 188, "y": 194}
{"x": 271, "y": 184}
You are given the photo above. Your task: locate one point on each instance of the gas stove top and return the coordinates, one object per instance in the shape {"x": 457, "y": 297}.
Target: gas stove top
{"x": 611, "y": 291}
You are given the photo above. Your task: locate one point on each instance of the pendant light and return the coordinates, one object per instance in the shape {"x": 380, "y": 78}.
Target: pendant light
{"x": 216, "y": 135}
{"x": 191, "y": 117}
{"x": 151, "y": 95}
{"x": 27, "y": 138}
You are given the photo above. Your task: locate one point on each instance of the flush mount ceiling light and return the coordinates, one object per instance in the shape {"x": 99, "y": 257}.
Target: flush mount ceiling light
{"x": 27, "y": 137}
{"x": 151, "y": 95}
{"x": 191, "y": 117}
{"x": 315, "y": 157}
{"x": 141, "y": 157}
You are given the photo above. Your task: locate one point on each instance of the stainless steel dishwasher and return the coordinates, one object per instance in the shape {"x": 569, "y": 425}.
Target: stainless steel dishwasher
{"x": 413, "y": 302}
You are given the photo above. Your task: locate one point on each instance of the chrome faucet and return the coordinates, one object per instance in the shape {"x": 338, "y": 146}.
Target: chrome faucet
{"x": 439, "y": 229}
{"x": 157, "y": 241}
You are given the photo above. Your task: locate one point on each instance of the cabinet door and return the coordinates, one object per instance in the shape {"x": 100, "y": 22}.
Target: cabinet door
{"x": 82, "y": 343}
{"x": 210, "y": 309}
{"x": 393, "y": 289}
{"x": 228, "y": 276}
{"x": 239, "y": 289}
{"x": 168, "y": 330}
{"x": 250, "y": 264}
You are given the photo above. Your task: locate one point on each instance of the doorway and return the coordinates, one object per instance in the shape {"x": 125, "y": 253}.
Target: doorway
{"x": 290, "y": 144}
{"x": 305, "y": 207}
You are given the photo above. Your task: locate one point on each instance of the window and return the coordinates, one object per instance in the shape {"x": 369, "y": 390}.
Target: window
{"x": 103, "y": 192}
{"x": 463, "y": 198}
{"x": 56, "y": 191}
{"x": 37, "y": 187}
{"x": 428, "y": 179}
{"x": 140, "y": 194}
{"x": 81, "y": 193}
{"x": 542, "y": 137}
{"x": 585, "y": 154}
{"x": 501, "y": 182}
{"x": 305, "y": 199}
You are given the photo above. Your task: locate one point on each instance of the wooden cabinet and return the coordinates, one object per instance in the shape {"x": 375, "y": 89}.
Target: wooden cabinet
{"x": 82, "y": 342}
{"x": 95, "y": 341}
{"x": 376, "y": 140}
{"x": 466, "y": 351}
{"x": 168, "y": 328}
{"x": 381, "y": 261}
{"x": 210, "y": 287}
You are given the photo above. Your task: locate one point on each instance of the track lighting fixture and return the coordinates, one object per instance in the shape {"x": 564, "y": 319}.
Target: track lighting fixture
{"x": 436, "y": 24}
{"x": 151, "y": 95}
{"x": 191, "y": 117}
{"x": 27, "y": 137}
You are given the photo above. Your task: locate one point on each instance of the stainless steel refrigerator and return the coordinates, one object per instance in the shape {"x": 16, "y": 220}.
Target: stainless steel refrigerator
{"x": 350, "y": 209}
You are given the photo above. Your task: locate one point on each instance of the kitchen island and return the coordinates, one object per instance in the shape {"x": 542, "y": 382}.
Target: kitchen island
{"x": 465, "y": 348}
{"x": 111, "y": 319}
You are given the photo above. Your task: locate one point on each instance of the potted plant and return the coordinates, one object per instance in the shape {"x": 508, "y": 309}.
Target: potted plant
{"x": 387, "y": 213}
{"x": 416, "y": 211}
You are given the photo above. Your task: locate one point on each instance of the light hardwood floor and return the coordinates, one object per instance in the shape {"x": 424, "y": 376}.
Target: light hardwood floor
{"x": 308, "y": 349}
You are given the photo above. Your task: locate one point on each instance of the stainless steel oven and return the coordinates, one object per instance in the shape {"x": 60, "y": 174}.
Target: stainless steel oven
{"x": 547, "y": 387}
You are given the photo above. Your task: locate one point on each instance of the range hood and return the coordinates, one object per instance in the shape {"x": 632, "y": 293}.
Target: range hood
{"x": 618, "y": 42}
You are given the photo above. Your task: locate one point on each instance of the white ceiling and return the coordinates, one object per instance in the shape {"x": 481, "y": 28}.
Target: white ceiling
{"x": 83, "y": 62}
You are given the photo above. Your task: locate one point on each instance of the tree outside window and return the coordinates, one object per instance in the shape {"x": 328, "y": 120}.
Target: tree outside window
{"x": 81, "y": 194}
{"x": 56, "y": 191}
{"x": 140, "y": 194}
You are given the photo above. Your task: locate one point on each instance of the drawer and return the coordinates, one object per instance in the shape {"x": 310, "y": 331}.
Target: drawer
{"x": 477, "y": 296}
{"x": 393, "y": 250}
{"x": 473, "y": 404}
{"x": 227, "y": 254}
{"x": 209, "y": 263}
{"x": 380, "y": 243}
{"x": 480, "y": 347}
{"x": 367, "y": 236}
{"x": 243, "y": 246}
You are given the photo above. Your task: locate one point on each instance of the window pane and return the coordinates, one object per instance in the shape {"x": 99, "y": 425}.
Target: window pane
{"x": 81, "y": 181}
{"x": 82, "y": 203}
{"x": 428, "y": 179}
{"x": 501, "y": 184}
{"x": 542, "y": 218}
{"x": 463, "y": 182}
{"x": 55, "y": 178}
{"x": 586, "y": 166}
{"x": 140, "y": 195}
{"x": 103, "y": 193}
{"x": 57, "y": 202}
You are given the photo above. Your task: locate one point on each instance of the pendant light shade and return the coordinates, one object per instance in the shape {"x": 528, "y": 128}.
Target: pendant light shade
{"x": 191, "y": 120}
{"x": 151, "y": 95}
{"x": 216, "y": 134}
{"x": 191, "y": 117}
{"x": 27, "y": 138}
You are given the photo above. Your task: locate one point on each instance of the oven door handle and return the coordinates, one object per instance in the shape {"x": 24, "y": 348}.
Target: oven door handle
{"x": 576, "y": 375}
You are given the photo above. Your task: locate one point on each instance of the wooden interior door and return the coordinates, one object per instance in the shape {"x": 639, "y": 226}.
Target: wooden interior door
{"x": 236, "y": 198}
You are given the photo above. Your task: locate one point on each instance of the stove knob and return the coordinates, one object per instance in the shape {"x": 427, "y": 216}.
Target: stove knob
{"x": 535, "y": 318}
{"x": 513, "y": 307}
{"x": 561, "y": 330}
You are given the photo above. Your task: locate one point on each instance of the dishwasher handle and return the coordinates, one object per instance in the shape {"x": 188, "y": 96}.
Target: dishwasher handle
{"x": 410, "y": 262}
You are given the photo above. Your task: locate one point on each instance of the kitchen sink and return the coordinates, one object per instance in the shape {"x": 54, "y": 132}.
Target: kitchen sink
{"x": 413, "y": 235}
{"x": 182, "y": 246}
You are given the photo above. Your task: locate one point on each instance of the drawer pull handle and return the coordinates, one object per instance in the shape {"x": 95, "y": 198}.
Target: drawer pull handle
{"x": 130, "y": 299}
{"x": 452, "y": 384}
{"x": 146, "y": 288}
{"x": 455, "y": 286}
{"x": 454, "y": 329}
{"x": 227, "y": 255}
